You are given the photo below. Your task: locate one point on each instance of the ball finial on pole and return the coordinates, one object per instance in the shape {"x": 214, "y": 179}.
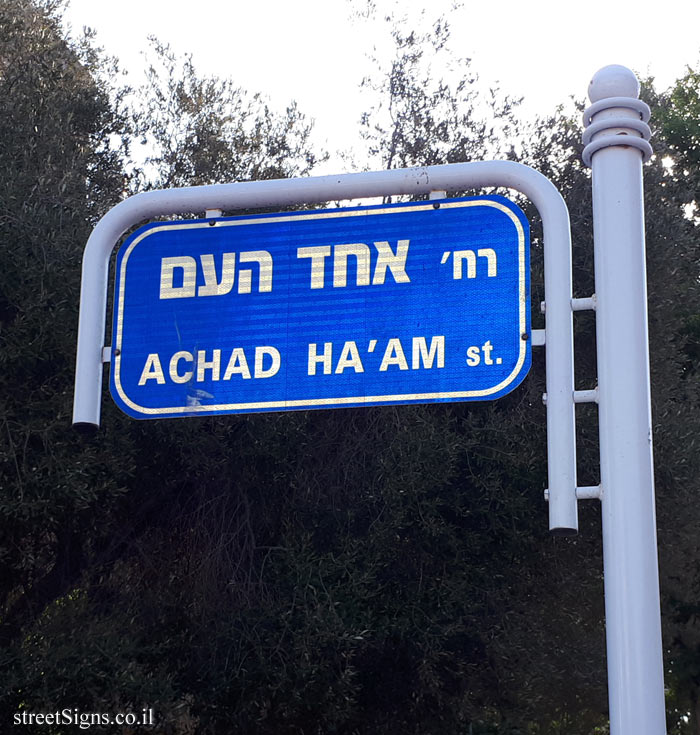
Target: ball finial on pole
{"x": 613, "y": 81}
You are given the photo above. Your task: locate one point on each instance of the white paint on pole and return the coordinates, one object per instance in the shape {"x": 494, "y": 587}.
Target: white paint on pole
{"x": 633, "y": 621}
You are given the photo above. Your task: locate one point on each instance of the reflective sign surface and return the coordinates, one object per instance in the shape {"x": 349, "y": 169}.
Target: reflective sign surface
{"x": 389, "y": 304}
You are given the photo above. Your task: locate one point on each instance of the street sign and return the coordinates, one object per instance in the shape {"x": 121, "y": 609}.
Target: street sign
{"x": 389, "y": 304}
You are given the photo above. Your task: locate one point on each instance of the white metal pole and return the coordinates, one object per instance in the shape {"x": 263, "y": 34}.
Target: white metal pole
{"x": 617, "y": 145}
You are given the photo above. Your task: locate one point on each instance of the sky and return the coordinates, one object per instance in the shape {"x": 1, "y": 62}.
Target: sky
{"x": 317, "y": 51}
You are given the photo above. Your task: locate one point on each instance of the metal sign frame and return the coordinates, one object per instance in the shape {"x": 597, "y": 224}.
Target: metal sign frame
{"x": 431, "y": 180}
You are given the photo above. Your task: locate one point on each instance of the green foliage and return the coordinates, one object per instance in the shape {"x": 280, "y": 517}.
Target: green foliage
{"x": 679, "y": 118}
{"x": 419, "y": 120}
{"x": 59, "y": 172}
{"x": 207, "y": 131}
{"x": 674, "y": 308}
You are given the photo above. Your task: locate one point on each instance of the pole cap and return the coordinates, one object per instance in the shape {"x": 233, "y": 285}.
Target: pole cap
{"x": 613, "y": 81}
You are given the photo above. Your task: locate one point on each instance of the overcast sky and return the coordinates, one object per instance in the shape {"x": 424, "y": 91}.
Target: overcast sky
{"x": 312, "y": 51}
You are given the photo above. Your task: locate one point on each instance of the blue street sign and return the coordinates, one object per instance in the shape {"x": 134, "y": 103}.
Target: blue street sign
{"x": 405, "y": 303}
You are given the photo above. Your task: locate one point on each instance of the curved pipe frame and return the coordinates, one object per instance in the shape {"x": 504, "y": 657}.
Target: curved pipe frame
{"x": 284, "y": 192}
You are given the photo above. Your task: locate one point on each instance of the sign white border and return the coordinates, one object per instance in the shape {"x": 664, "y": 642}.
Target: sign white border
{"x": 324, "y": 402}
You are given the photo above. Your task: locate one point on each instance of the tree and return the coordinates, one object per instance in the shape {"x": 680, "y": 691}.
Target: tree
{"x": 420, "y": 120}
{"x": 60, "y": 173}
{"x": 676, "y": 388}
{"x": 206, "y": 130}
{"x": 678, "y": 115}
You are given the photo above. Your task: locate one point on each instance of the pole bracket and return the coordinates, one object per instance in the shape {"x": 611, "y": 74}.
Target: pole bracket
{"x": 586, "y": 396}
{"x": 588, "y": 492}
{"x": 580, "y": 396}
{"x": 588, "y": 304}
